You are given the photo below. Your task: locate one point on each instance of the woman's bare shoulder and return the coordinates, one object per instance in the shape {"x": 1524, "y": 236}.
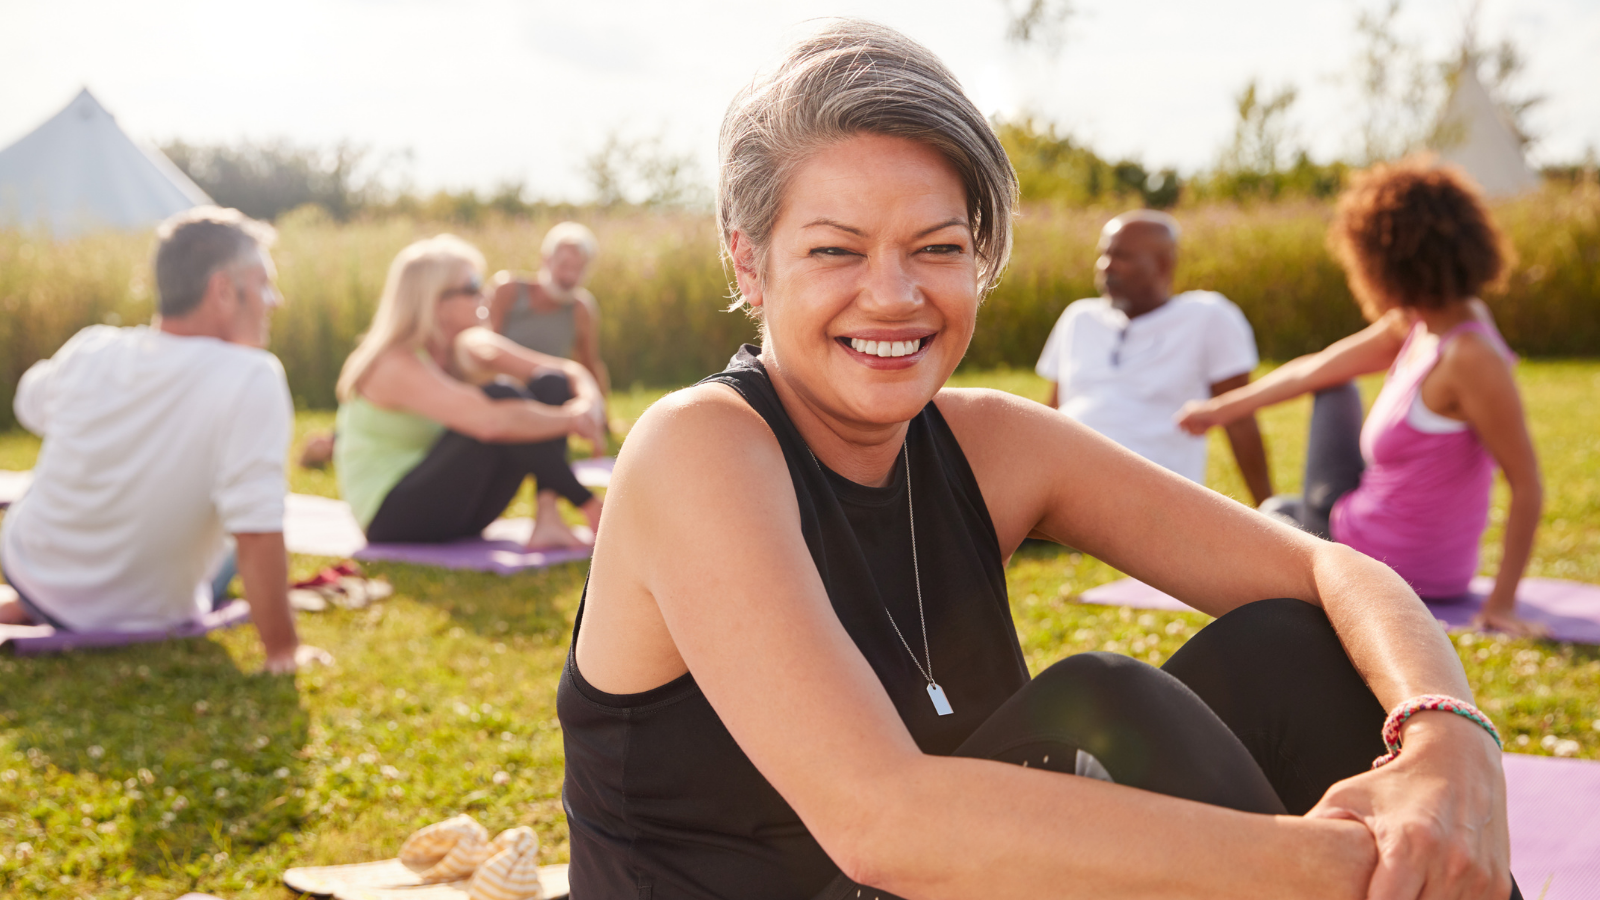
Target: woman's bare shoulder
{"x": 989, "y": 416}
{"x": 697, "y": 431}
{"x": 394, "y": 375}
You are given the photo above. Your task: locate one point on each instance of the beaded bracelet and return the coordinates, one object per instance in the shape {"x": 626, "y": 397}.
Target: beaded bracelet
{"x": 1425, "y": 703}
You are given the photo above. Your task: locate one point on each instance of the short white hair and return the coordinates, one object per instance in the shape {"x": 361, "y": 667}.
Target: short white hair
{"x": 573, "y": 234}
{"x": 1148, "y": 216}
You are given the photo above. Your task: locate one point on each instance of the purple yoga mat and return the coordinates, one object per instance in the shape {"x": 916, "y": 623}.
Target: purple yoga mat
{"x": 324, "y": 527}
{"x": 1570, "y": 608}
{"x": 1553, "y": 806}
{"x": 29, "y": 640}
{"x": 498, "y": 550}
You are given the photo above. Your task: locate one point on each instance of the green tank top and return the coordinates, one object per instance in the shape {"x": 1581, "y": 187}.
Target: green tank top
{"x": 375, "y": 448}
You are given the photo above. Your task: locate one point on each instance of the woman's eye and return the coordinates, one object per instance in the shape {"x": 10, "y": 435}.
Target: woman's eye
{"x": 944, "y": 249}
{"x": 830, "y": 251}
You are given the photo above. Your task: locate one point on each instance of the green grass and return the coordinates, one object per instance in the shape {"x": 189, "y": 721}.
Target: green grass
{"x": 149, "y": 771}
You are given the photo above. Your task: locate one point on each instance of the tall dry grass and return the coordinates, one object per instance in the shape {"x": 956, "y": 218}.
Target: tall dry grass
{"x": 662, "y": 288}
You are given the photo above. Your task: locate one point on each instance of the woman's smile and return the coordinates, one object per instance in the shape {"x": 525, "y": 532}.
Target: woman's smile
{"x": 879, "y": 350}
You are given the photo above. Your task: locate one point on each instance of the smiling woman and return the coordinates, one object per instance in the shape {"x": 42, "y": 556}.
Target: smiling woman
{"x": 795, "y": 673}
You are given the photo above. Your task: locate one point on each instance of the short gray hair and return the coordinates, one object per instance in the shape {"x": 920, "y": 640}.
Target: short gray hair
{"x": 857, "y": 77}
{"x": 195, "y": 244}
{"x": 570, "y": 234}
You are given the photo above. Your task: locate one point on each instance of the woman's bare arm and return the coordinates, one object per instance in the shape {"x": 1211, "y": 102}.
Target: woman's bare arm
{"x": 702, "y": 567}
{"x": 482, "y": 354}
{"x": 1480, "y": 387}
{"x": 400, "y": 380}
{"x": 1045, "y": 474}
{"x": 1371, "y": 349}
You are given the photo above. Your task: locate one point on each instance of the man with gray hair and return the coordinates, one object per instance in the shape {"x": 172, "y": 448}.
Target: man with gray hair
{"x": 1126, "y": 362}
{"x": 160, "y": 440}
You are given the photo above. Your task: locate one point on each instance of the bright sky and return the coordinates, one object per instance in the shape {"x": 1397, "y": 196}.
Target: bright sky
{"x": 477, "y": 92}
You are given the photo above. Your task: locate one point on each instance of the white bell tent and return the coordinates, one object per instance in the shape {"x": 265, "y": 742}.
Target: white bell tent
{"x": 1475, "y": 135}
{"x": 79, "y": 171}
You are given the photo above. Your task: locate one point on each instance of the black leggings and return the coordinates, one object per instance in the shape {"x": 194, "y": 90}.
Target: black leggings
{"x": 1261, "y": 712}
{"x": 1333, "y": 461}
{"x": 463, "y": 483}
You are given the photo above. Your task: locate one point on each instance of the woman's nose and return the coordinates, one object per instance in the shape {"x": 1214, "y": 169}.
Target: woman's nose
{"x": 889, "y": 286}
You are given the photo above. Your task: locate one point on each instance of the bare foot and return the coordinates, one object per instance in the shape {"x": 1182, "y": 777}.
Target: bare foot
{"x": 11, "y": 611}
{"x": 318, "y": 450}
{"x": 549, "y": 532}
{"x": 591, "y": 511}
{"x": 1509, "y": 623}
{"x": 553, "y": 534}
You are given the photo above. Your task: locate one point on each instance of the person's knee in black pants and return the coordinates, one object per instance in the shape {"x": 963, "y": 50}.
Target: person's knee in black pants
{"x": 1275, "y": 672}
{"x": 553, "y": 388}
{"x": 1143, "y": 727}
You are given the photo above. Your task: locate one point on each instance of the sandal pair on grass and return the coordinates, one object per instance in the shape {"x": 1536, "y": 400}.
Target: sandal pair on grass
{"x": 449, "y": 860}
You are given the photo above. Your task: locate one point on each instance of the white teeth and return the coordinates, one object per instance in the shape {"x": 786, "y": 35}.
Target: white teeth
{"x": 885, "y": 348}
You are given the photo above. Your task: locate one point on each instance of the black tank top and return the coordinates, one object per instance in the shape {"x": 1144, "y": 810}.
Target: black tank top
{"x": 661, "y": 803}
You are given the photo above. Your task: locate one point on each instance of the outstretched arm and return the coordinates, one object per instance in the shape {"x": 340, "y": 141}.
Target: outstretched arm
{"x": 1244, "y": 436}
{"x": 1371, "y": 349}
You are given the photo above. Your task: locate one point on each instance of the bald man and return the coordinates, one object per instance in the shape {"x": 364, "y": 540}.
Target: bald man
{"x": 1124, "y": 363}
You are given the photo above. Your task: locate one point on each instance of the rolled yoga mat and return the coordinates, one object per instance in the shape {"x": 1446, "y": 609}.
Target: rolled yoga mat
{"x": 1570, "y": 608}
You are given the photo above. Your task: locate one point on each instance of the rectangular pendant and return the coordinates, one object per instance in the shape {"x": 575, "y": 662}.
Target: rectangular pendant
{"x": 940, "y": 704}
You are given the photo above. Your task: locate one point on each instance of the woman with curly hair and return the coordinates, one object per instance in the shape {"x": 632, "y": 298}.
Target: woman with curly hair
{"x": 1410, "y": 487}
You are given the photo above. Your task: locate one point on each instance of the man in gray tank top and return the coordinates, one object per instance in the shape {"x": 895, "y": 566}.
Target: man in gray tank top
{"x": 553, "y": 313}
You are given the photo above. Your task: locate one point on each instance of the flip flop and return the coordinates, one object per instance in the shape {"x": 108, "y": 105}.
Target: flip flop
{"x": 449, "y": 860}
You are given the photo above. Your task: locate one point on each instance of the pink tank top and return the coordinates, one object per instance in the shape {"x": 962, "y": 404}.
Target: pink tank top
{"x": 1423, "y": 501}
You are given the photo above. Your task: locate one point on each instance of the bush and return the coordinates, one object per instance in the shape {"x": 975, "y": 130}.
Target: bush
{"x": 662, "y": 288}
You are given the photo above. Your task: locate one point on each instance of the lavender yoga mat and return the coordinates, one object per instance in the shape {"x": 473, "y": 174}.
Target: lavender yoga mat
{"x": 325, "y": 527}
{"x": 29, "y": 640}
{"x": 1570, "y": 608}
{"x": 1553, "y": 807}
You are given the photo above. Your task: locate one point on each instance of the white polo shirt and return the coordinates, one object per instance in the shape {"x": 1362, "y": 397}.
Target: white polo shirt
{"x": 155, "y": 446}
{"x": 1126, "y": 378}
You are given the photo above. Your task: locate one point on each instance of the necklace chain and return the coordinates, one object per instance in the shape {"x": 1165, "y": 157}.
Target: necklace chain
{"x": 916, "y": 574}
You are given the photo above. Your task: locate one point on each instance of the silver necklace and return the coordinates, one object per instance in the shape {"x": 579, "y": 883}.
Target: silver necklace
{"x": 941, "y": 704}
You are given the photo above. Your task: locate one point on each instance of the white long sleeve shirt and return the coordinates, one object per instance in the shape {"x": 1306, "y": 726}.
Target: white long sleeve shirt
{"x": 155, "y": 447}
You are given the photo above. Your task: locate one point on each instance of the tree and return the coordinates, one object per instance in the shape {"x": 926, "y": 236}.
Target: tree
{"x": 1400, "y": 91}
{"x": 265, "y": 180}
{"x": 1263, "y": 133}
{"x": 1037, "y": 23}
{"x": 645, "y": 172}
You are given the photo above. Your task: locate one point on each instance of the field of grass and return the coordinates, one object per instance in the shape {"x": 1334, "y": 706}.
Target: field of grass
{"x": 148, "y": 771}
{"x": 662, "y": 287}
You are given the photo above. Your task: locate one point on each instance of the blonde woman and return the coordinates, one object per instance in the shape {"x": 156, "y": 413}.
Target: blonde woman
{"x": 440, "y": 419}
